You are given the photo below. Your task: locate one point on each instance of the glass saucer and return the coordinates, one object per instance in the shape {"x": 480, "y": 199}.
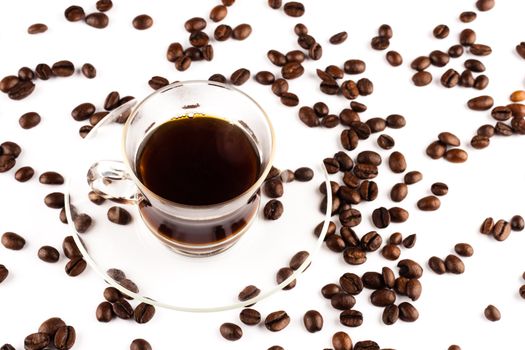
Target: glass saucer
{"x": 183, "y": 283}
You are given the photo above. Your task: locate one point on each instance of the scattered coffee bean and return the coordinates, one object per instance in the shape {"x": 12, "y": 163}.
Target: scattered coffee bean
{"x": 380, "y": 43}
{"x": 439, "y": 58}
{"x": 454, "y": 264}
{"x": 112, "y": 294}
{"x": 467, "y": 16}
{"x": 397, "y": 162}
{"x": 399, "y": 192}
{"x": 89, "y": 70}
{"x": 282, "y": 275}
{"x": 97, "y": 20}
{"x": 456, "y": 155}
{"x": 441, "y": 31}
{"x": 24, "y": 174}
{"x": 455, "y": 51}
{"x": 140, "y": 344}
{"x": 83, "y": 111}
{"x": 329, "y": 290}
{"x": 36, "y": 341}
{"x": 37, "y": 28}
{"x": 249, "y": 292}
{"x": 437, "y": 265}
{"x": 63, "y": 68}
{"x": 385, "y": 142}
{"x": 51, "y": 325}
{"x": 420, "y": 63}
{"x": 429, "y": 203}
{"x": 70, "y": 249}
{"x": 123, "y": 309}
{"x": 520, "y": 49}
{"x": 65, "y": 338}
{"x": 501, "y": 230}
{"x": 294, "y": 9}
{"x": 29, "y": 120}
{"x": 48, "y": 254}
{"x": 82, "y": 222}
{"x": 391, "y": 252}
{"x": 381, "y": 217}
{"x": 422, "y": 78}
{"x": 116, "y": 274}
{"x": 275, "y": 4}
{"x": 450, "y": 78}
{"x": 492, "y": 313}
{"x": 104, "y": 5}
{"x": 143, "y": 313}
{"x": 13, "y": 241}
{"x": 351, "y": 318}
{"x": 313, "y": 321}
{"x": 250, "y": 317}
{"x": 341, "y": 341}
{"x": 183, "y": 63}
{"x": 21, "y": 90}
{"x": 277, "y": 321}
{"x": 390, "y": 314}
{"x": 410, "y": 241}
{"x": 354, "y": 256}
{"x": 75, "y": 266}
{"x": 395, "y": 238}
{"x": 517, "y": 223}
{"x": 409, "y": 268}
{"x": 439, "y": 188}
{"x": 480, "y": 50}
{"x": 338, "y": 38}
{"x": 104, "y": 312}
{"x": 74, "y": 13}
{"x": 464, "y": 249}
{"x": 383, "y": 297}
{"x": 407, "y": 312}
{"x": 119, "y": 215}
{"x": 51, "y": 178}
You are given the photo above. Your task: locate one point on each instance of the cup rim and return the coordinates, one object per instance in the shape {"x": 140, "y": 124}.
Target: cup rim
{"x": 252, "y": 189}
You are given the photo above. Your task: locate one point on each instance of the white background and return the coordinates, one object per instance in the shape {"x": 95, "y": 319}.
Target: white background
{"x": 489, "y": 184}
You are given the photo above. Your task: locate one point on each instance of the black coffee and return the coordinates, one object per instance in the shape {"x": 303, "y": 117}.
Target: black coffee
{"x": 198, "y": 161}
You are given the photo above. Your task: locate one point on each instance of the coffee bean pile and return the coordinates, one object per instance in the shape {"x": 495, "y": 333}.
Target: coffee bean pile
{"x": 53, "y": 333}
{"x": 502, "y": 229}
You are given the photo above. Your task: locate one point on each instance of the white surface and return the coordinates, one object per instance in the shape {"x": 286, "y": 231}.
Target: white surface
{"x": 451, "y": 307}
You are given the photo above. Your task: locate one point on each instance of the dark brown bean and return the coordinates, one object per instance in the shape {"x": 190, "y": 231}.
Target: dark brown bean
{"x": 338, "y": 38}
{"x": 380, "y": 43}
{"x": 351, "y": 318}
{"x": 21, "y": 90}
{"x": 455, "y": 51}
{"x": 294, "y": 9}
{"x": 75, "y": 266}
{"x": 437, "y": 265}
{"x": 441, "y": 31}
{"x": 429, "y": 203}
{"x": 13, "y": 241}
{"x": 242, "y": 31}
{"x": 399, "y": 192}
{"x": 491, "y": 312}
{"x": 74, "y": 13}
{"x": 464, "y": 249}
{"x": 422, "y": 78}
{"x": 275, "y": 4}
{"x": 456, "y": 155}
{"x": 277, "y": 321}
{"x": 480, "y": 50}
{"x": 143, "y": 313}
{"x": 97, "y": 20}
{"x": 48, "y": 254}
{"x": 313, "y": 321}
{"x": 37, "y": 28}
{"x": 341, "y": 341}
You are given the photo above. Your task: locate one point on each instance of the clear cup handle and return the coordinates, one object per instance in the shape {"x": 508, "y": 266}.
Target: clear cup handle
{"x": 110, "y": 178}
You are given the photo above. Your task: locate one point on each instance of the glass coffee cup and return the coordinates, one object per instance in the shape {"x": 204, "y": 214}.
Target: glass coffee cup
{"x": 231, "y": 119}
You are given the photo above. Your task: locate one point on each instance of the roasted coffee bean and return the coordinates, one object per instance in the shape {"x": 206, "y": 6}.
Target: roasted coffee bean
{"x": 348, "y": 116}
{"x": 342, "y": 301}
{"x": 250, "y": 317}
{"x": 467, "y": 37}
{"x": 329, "y": 290}
{"x": 354, "y": 66}
{"x": 398, "y": 214}
{"x": 195, "y": 24}
{"x": 369, "y": 157}
{"x": 492, "y": 313}
{"x": 381, "y": 217}
{"x": 338, "y": 38}
{"x": 395, "y": 238}
{"x": 422, "y": 78}
{"x": 351, "y": 318}
{"x": 520, "y": 49}
{"x": 280, "y": 86}
{"x": 298, "y": 259}
{"x": 43, "y": 71}
{"x": 315, "y": 52}
{"x": 75, "y": 266}
{"x": 437, "y": 265}
{"x": 486, "y": 130}
{"x": 289, "y": 99}
{"x": 391, "y": 252}
{"x": 349, "y": 195}
{"x": 485, "y": 5}
{"x": 439, "y": 58}
{"x": 449, "y": 139}
{"x": 474, "y": 65}
{"x": 222, "y": 32}
{"x": 199, "y": 39}
{"x": 82, "y": 222}
{"x": 455, "y": 51}
{"x": 399, "y": 192}
{"x": 248, "y": 292}
{"x": 112, "y": 294}
{"x": 182, "y": 63}
{"x": 336, "y": 205}
{"x": 413, "y": 289}
{"x": 218, "y": 13}
{"x": 104, "y": 5}
{"x": 516, "y": 96}
{"x": 390, "y": 314}
{"x": 65, "y": 338}
{"x": 354, "y": 256}
{"x": 24, "y": 174}
{"x": 273, "y": 209}
{"x": 119, "y": 215}
{"x": 365, "y": 171}
{"x": 265, "y": 78}
{"x": 467, "y": 16}
{"x": 376, "y": 124}
{"x": 480, "y": 50}
{"x": 48, "y": 254}
{"x": 429, "y": 203}
{"x": 7, "y": 162}
{"x": 371, "y": 241}
{"x": 439, "y": 188}
{"x": 450, "y": 78}
{"x": 63, "y": 68}
{"x": 410, "y": 241}
{"x": 385, "y": 31}
{"x": 300, "y": 29}
{"x": 313, "y": 321}
{"x": 230, "y": 331}
{"x": 341, "y": 341}
{"x": 116, "y": 274}
{"x": 395, "y": 121}
{"x": 351, "y": 283}
{"x": 481, "y": 82}
{"x": 104, "y": 312}
{"x": 157, "y": 82}
{"x": 26, "y": 73}
{"x": 479, "y": 142}
{"x": 51, "y": 178}
{"x": 13, "y": 241}
{"x": 143, "y": 313}
{"x": 69, "y": 247}
{"x": 282, "y": 275}
{"x": 122, "y": 309}
{"x": 407, "y": 312}
{"x": 366, "y": 345}
{"x": 517, "y": 223}
{"x": 275, "y": 347}
{"x": 129, "y": 285}
{"x": 487, "y": 226}
{"x": 321, "y": 109}
{"x": 454, "y": 264}
{"x": 21, "y": 90}
{"x": 218, "y": 78}
{"x": 501, "y": 230}
{"x": 397, "y": 162}
{"x": 304, "y": 174}
{"x": 330, "y": 121}
{"x": 436, "y": 150}
{"x": 140, "y": 344}
{"x": 464, "y": 249}
{"x": 349, "y": 89}
{"x": 51, "y": 325}
{"x": 292, "y": 70}
{"x": 456, "y": 155}
{"x": 350, "y": 237}
{"x": 97, "y": 20}
{"x": 306, "y": 41}
{"x": 207, "y": 52}
{"x": 380, "y": 43}
{"x": 365, "y": 87}
{"x": 368, "y": 190}
{"x": 388, "y": 277}
{"x": 420, "y": 63}
{"x": 383, "y": 297}
{"x": 277, "y": 321}
{"x": 8, "y": 82}
{"x": 88, "y": 70}
{"x": 518, "y": 125}
{"x": 74, "y": 13}
{"x": 36, "y": 341}
{"x": 517, "y": 109}
{"x": 350, "y": 217}
{"x": 84, "y": 130}
{"x": 273, "y": 188}
{"x": 409, "y": 269}
{"x": 400, "y": 285}
{"x": 373, "y": 280}
{"x": 308, "y": 117}
{"x": 29, "y": 120}
{"x": 394, "y": 58}
{"x": 174, "y": 52}
{"x": 385, "y": 141}
{"x": 466, "y": 79}
{"x": 358, "y": 107}
{"x": 83, "y": 111}
{"x": 330, "y": 87}
{"x": 294, "y": 9}
{"x": 275, "y": 4}
{"x": 441, "y": 31}
{"x": 37, "y": 28}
